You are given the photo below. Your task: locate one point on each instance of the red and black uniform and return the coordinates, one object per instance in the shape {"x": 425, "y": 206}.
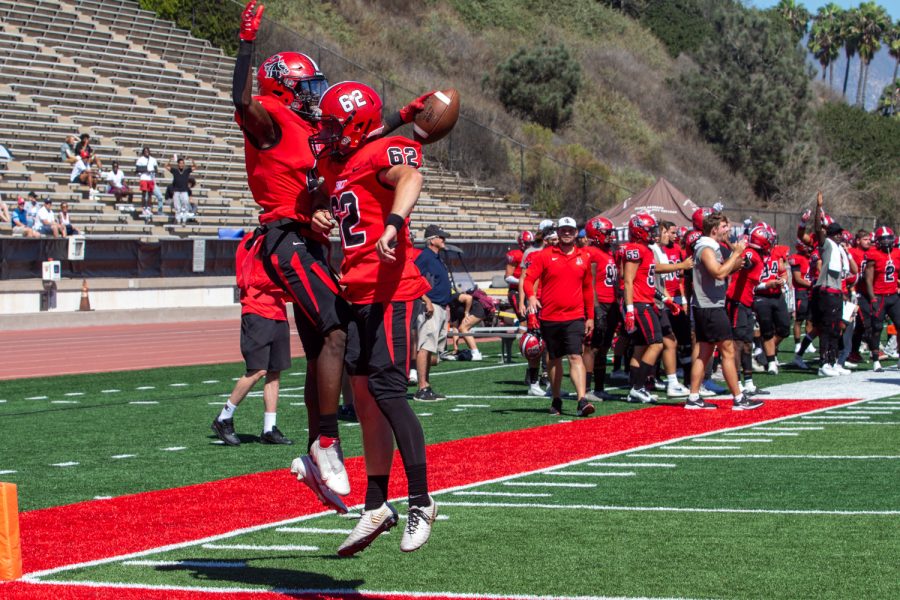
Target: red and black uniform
{"x": 769, "y": 303}
{"x": 563, "y": 308}
{"x": 739, "y": 297}
{"x": 675, "y": 289}
{"x": 382, "y": 294}
{"x": 802, "y": 265}
{"x": 606, "y": 311}
{"x": 265, "y": 333}
{"x": 649, "y": 329}
{"x": 514, "y": 259}
{"x": 294, "y": 255}
{"x": 864, "y": 314}
{"x": 884, "y": 286}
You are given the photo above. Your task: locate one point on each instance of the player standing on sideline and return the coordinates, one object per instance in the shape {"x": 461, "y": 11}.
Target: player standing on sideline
{"x": 769, "y": 303}
{"x": 803, "y": 273}
{"x": 713, "y": 330}
{"x": 373, "y": 187}
{"x": 566, "y": 316}
{"x": 277, "y": 125}
{"x": 881, "y": 288}
{"x": 514, "y": 271}
{"x": 860, "y": 254}
{"x": 601, "y": 235}
{"x": 533, "y": 375}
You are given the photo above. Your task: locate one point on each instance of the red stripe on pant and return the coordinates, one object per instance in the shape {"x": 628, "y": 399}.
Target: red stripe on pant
{"x": 408, "y": 322}
{"x": 285, "y": 285}
{"x": 388, "y": 321}
{"x": 649, "y": 322}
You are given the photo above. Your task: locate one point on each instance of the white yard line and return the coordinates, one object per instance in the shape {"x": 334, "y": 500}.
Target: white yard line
{"x": 630, "y": 465}
{"x": 789, "y": 456}
{"x": 74, "y": 394}
{"x": 503, "y": 494}
{"x": 174, "y": 448}
{"x": 65, "y": 402}
{"x": 65, "y": 464}
{"x": 857, "y": 422}
{"x": 317, "y": 530}
{"x": 276, "y": 548}
{"x": 146, "y": 387}
{"x": 672, "y": 509}
{"x": 7, "y": 472}
{"x": 120, "y": 456}
{"x": 834, "y": 417}
{"x": 143, "y": 402}
{"x": 737, "y": 440}
{"x": 781, "y": 429}
{"x": 549, "y": 484}
{"x": 701, "y": 448}
{"x": 201, "y": 564}
{"x": 591, "y": 473}
{"x": 113, "y": 391}
{"x": 773, "y": 434}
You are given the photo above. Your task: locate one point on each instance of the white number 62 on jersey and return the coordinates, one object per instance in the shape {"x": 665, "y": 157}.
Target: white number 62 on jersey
{"x": 349, "y": 100}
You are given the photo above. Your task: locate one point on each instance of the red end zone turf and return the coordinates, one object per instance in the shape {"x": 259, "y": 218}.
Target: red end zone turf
{"x": 98, "y": 529}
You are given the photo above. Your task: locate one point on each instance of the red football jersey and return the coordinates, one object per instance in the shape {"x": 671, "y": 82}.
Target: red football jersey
{"x": 561, "y": 277}
{"x": 645, "y": 278}
{"x": 674, "y": 279}
{"x": 743, "y": 283}
{"x": 860, "y": 257}
{"x": 885, "y": 282}
{"x": 361, "y": 204}
{"x": 772, "y": 268}
{"x": 801, "y": 264}
{"x": 259, "y": 296}
{"x": 277, "y": 175}
{"x": 514, "y": 258}
{"x": 607, "y": 274}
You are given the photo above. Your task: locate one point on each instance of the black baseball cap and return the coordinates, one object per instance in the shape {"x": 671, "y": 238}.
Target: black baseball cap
{"x": 834, "y": 229}
{"x": 435, "y": 231}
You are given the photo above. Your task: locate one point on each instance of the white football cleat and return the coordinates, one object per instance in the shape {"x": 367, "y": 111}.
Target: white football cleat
{"x": 827, "y": 370}
{"x": 418, "y": 526}
{"x": 876, "y": 367}
{"x": 535, "y": 390}
{"x": 773, "y": 367}
{"x": 331, "y": 466}
{"x": 307, "y": 472}
{"x": 476, "y": 355}
{"x": 676, "y": 390}
{"x": 371, "y": 524}
{"x": 841, "y": 370}
{"x": 640, "y": 395}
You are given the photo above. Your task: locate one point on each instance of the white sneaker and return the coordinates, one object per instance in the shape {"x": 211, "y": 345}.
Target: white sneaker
{"x": 773, "y": 367}
{"x": 590, "y": 396}
{"x": 676, "y": 390}
{"x": 371, "y": 524}
{"x": 797, "y": 348}
{"x": 331, "y": 466}
{"x": 307, "y": 472}
{"x": 799, "y": 362}
{"x": 757, "y": 368}
{"x": 811, "y": 349}
{"x": 876, "y": 367}
{"x": 640, "y": 395}
{"x": 850, "y": 365}
{"x": 413, "y": 377}
{"x": 418, "y": 526}
{"x": 705, "y": 393}
{"x": 828, "y": 371}
{"x": 535, "y": 390}
{"x": 476, "y": 355}
{"x": 747, "y": 389}
{"x": 841, "y": 370}
{"x": 659, "y": 386}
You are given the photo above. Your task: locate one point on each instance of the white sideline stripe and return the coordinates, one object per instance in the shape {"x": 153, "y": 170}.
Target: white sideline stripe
{"x": 465, "y": 371}
{"x": 833, "y": 417}
{"x": 783, "y": 429}
{"x": 178, "y": 384}
{"x": 74, "y": 394}
{"x": 276, "y": 548}
{"x": 765, "y": 434}
{"x": 143, "y": 402}
{"x": 439, "y": 517}
{"x": 350, "y": 592}
{"x": 867, "y": 411}
{"x": 118, "y": 456}
{"x": 146, "y": 387}
{"x": 768, "y": 511}
{"x": 220, "y": 404}
{"x": 629, "y": 465}
{"x": 701, "y": 448}
{"x": 797, "y": 456}
{"x": 35, "y": 576}
{"x": 591, "y": 474}
{"x": 65, "y": 402}
{"x": 102, "y": 497}
{"x": 203, "y": 564}
{"x": 738, "y": 441}
{"x": 424, "y": 414}
{"x": 8, "y": 472}
{"x": 473, "y": 405}
{"x": 857, "y": 422}
{"x": 109, "y": 391}
{"x": 549, "y": 484}
{"x": 2, "y": 401}
{"x": 210, "y": 381}
{"x": 173, "y": 448}
{"x": 313, "y": 530}
{"x": 457, "y": 410}
{"x": 893, "y": 402}
{"x": 37, "y": 398}
{"x": 505, "y": 494}
{"x": 65, "y": 464}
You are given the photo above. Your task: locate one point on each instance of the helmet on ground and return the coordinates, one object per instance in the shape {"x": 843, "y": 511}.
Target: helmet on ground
{"x": 600, "y": 230}
{"x": 699, "y": 215}
{"x": 884, "y": 238}
{"x": 525, "y": 239}
{"x": 351, "y": 112}
{"x": 642, "y": 228}
{"x": 295, "y": 80}
{"x": 531, "y": 346}
{"x": 762, "y": 238}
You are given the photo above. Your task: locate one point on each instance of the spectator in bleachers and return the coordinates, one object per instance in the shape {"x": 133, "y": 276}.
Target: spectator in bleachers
{"x": 46, "y": 223}
{"x": 20, "y": 220}
{"x": 84, "y": 145}
{"x": 64, "y": 222}
{"x": 5, "y": 216}
{"x": 147, "y": 167}
{"x": 181, "y": 190}
{"x": 67, "y": 152}
{"x": 31, "y": 208}
{"x": 116, "y": 180}
{"x": 82, "y": 172}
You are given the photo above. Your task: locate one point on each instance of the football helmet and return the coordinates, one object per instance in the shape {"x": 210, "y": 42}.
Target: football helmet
{"x": 699, "y": 215}
{"x": 827, "y": 220}
{"x": 295, "y": 80}
{"x": 803, "y": 248}
{"x": 351, "y": 112}
{"x": 531, "y": 346}
{"x": 690, "y": 238}
{"x": 642, "y": 228}
{"x": 525, "y": 239}
{"x": 884, "y": 238}
{"x": 762, "y": 238}
{"x": 847, "y": 238}
{"x": 600, "y": 230}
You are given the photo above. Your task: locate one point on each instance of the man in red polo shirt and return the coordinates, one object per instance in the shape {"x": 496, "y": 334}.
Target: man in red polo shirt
{"x": 566, "y": 316}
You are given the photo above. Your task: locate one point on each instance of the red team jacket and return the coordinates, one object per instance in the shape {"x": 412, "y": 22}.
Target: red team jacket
{"x": 361, "y": 204}
{"x": 259, "y": 296}
{"x": 566, "y": 287}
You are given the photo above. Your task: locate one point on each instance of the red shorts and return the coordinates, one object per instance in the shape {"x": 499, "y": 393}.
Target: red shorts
{"x": 147, "y": 185}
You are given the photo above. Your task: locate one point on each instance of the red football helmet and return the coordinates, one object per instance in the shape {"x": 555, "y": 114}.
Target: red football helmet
{"x": 681, "y": 232}
{"x": 884, "y": 238}
{"x": 847, "y": 237}
{"x": 600, "y": 230}
{"x": 294, "y": 79}
{"x": 525, "y": 239}
{"x": 699, "y": 215}
{"x": 531, "y": 346}
{"x": 762, "y": 238}
{"x": 351, "y": 112}
{"x": 642, "y": 228}
{"x": 803, "y": 248}
{"x": 827, "y": 220}
{"x": 690, "y": 238}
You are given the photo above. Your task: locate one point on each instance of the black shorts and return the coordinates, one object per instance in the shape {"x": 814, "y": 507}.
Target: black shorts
{"x": 681, "y": 326}
{"x": 772, "y": 316}
{"x": 563, "y": 338}
{"x": 649, "y": 329}
{"x": 665, "y": 321}
{"x": 712, "y": 325}
{"x": 741, "y": 319}
{"x": 265, "y": 343}
{"x": 458, "y": 310}
{"x": 378, "y": 345}
{"x": 606, "y": 319}
{"x": 802, "y": 310}
{"x": 300, "y": 267}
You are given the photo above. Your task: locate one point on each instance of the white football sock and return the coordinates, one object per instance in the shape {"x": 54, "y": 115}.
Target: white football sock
{"x": 227, "y": 411}
{"x": 268, "y": 421}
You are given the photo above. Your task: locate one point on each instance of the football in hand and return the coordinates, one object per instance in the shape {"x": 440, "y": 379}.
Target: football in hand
{"x": 438, "y": 117}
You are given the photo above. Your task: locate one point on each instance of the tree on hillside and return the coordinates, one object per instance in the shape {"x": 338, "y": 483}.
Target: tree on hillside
{"x": 795, "y": 15}
{"x": 750, "y": 95}
{"x": 824, "y": 38}
{"x": 892, "y": 41}
{"x": 539, "y": 83}
{"x": 889, "y": 103}
{"x": 872, "y": 23}
{"x": 848, "y": 37}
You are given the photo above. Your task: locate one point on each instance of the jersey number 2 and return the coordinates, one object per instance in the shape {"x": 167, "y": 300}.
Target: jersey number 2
{"x": 346, "y": 210}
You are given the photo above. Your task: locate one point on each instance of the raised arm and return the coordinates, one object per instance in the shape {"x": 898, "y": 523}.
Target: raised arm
{"x": 253, "y": 118}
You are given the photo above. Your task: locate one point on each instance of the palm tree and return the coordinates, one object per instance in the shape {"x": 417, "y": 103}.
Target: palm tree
{"x": 795, "y": 15}
{"x": 848, "y": 37}
{"x": 824, "y": 41}
{"x": 872, "y": 24}
{"x": 892, "y": 39}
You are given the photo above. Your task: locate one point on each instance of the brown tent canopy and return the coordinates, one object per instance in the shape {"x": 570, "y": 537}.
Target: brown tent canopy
{"x": 662, "y": 199}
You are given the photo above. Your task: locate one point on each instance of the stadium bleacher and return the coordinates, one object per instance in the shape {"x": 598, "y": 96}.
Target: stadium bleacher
{"x": 130, "y": 79}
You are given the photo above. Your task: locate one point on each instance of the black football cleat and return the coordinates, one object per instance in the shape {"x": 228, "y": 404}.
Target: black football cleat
{"x": 274, "y": 437}
{"x": 224, "y": 430}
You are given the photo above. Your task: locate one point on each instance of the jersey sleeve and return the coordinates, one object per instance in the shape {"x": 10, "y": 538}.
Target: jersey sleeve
{"x": 393, "y": 151}
{"x": 535, "y": 269}
{"x": 632, "y": 255}
{"x": 511, "y": 259}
